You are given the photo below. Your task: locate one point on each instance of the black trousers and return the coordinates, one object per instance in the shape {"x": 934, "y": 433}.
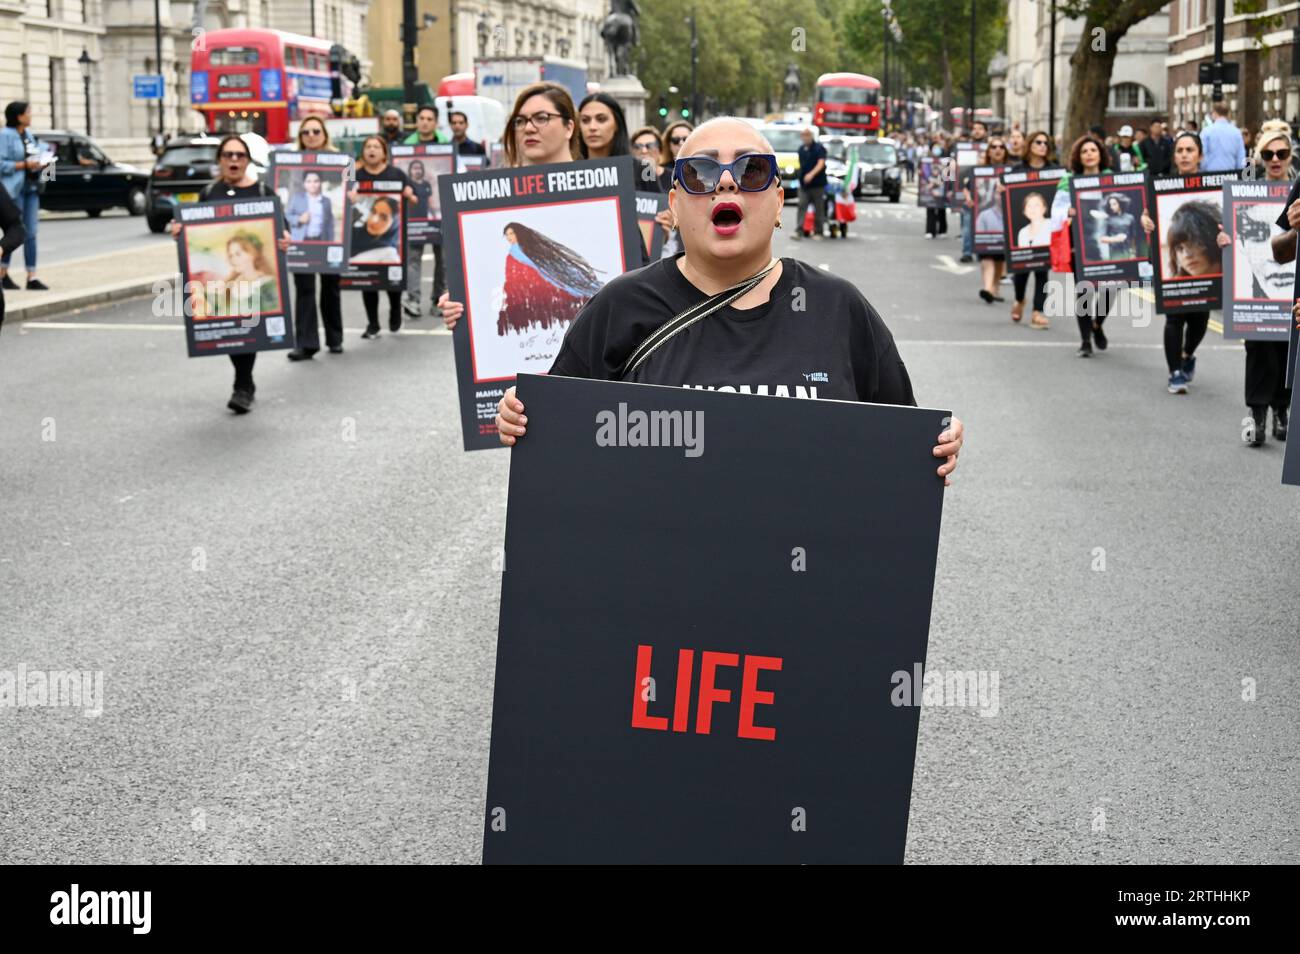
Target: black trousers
{"x": 244, "y": 371}
{"x": 304, "y": 310}
{"x": 1183, "y": 332}
{"x": 1091, "y": 309}
{"x": 1020, "y": 282}
{"x": 936, "y": 222}
{"x": 439, "y": 272}
{"x": 1266, "y": 375}
{"x": 371, "y": 300}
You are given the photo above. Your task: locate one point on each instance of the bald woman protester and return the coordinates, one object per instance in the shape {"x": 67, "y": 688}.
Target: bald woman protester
{"x": 763, "y": 325}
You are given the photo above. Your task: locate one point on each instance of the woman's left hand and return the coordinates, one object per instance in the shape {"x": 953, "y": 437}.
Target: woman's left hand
{"x": 1222, "y": 238}
{"x": 665, "y": 218}
{"x": 1147, "y": 224}
{"x": 285, "y": 241}
{"x": 950, "y": 442}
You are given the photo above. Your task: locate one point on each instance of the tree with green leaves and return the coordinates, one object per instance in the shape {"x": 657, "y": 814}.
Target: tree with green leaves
{"x": 936, "y": 42}
{"x": 1105, "y": 22}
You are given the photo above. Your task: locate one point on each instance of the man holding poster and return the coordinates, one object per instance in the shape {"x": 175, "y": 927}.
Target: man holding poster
{"x": 425, "y": 163}
{"x": 233, "y": 272}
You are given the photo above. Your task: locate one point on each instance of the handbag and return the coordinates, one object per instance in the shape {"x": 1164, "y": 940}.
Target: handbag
{"x": 679, "y": 323}
{"x": 1062, "y": 252}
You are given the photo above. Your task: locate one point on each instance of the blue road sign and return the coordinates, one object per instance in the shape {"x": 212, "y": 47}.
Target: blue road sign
{"x": 147, "y": 86}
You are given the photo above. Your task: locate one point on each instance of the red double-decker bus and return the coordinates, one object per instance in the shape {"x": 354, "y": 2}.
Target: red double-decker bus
{"x": 260, "y": 81}
{"x": 848, "y": 103}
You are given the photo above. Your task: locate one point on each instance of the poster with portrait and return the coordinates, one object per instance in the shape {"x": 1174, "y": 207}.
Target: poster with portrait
{"x": 470, "y": 162}
{"x": 1257, "y": 290}
{"x": 234, "y": 280}
{"x": 648, "y": 205}
{"x": 990, "y": 233}
{"x": 936, "y": 184}
{"x": 525, "y": 250}
{"x": 496, "y": 153}
{"x": 1027, "y": 217}
{"x": 377, "y": 254}
{"x": 424, "y": 163}
{"x": 1107, "y": 235}
{"x": 1187, "y": 259}
{"x": 313, "y": 191}
{"x": 968, "y": 156}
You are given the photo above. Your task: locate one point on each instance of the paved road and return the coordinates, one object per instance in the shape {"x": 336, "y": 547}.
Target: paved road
{"x": 297, "y": 629}
{"x": 65, "y": 236}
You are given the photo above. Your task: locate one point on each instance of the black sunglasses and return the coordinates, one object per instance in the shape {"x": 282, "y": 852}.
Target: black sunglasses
{"x": 234, "y": 155}
{"x": 700, "y": 175}
{"x": 677, "y": 140}
{"x": 1269, "y": 154}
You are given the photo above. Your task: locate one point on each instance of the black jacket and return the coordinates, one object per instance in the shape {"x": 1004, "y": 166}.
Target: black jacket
{"x": 12, "y": 231}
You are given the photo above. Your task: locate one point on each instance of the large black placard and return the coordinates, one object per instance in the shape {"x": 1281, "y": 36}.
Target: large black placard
{"x": 789, "y": 546}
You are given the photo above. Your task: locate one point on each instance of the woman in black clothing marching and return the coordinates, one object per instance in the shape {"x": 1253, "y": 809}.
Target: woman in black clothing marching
{"x": 314, "y": 137}
{"x": 1039, "y": 154}
{"x": 235, "y": 182}
{"x": 1185, "y": 330}
{"x": 374, "y": 165}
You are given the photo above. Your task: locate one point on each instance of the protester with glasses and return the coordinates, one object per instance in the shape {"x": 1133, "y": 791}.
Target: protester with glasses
{"x": 671, "y": 145}
{"x": 314, "y": 137}
{"x": 1039, "y": 154}
{"x": 235, "y": 182}
{"x": 671, "y": 141}
{"x": 646, "y": 147}
{"x": 1266, "y": 361}
{"x": 542, "y": 129}
{"x": 765, "y": 322}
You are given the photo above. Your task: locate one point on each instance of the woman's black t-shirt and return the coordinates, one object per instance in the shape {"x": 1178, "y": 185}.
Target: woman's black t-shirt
{"x": 816, "y": 337}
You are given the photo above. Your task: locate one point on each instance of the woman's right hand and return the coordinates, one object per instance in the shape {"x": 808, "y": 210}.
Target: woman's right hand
{"x": 510, "y": 418}
{"x": 451, "y": 311}
{"x": 174, "y": 228}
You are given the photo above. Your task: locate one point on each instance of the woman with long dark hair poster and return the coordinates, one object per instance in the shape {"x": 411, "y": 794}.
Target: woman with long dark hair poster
{"x": 546, "y": 282}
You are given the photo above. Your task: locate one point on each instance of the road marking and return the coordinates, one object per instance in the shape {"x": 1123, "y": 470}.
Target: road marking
{"x": 952, "y": 266}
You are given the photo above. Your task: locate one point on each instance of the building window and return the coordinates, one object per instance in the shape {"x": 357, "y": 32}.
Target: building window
{"x": 1130, "y": 96}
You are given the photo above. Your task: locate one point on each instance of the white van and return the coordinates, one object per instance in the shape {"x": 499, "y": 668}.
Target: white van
{"x": 487, "y": 117}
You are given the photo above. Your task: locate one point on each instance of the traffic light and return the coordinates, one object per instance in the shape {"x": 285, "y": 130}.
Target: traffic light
{"x": 686, "y": 110}
{"x": 663, "y": 106}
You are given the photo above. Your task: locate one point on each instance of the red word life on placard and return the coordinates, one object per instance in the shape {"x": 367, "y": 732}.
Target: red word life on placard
{"x": 708, "y": 694}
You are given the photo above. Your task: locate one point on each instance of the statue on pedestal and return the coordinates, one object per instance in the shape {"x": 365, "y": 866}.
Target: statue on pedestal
{"x": 792, "y": 84}
{"x": 621, "y": 33}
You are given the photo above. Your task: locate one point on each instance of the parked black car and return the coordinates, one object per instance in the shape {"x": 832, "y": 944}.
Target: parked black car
{"x": 86, "y": 180}
{"x": 185, "y": 167}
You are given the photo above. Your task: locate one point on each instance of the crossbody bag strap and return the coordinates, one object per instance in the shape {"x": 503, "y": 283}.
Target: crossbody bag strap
{"x": 697, "y": 312}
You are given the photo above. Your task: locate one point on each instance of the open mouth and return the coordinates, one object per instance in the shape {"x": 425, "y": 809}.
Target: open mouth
{"x": 727, "y": 217}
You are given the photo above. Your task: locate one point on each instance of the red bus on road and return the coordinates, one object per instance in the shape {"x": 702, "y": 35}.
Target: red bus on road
{"x": 260, "y": 81}
{"x": 848, "y": 103}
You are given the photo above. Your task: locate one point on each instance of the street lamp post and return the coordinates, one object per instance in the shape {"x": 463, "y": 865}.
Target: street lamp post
{"x": 157, "y": 52}
{"x": 86, "y": 62}
{"x": 970, "y": 95}
{"x": 1051, "y": 74}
